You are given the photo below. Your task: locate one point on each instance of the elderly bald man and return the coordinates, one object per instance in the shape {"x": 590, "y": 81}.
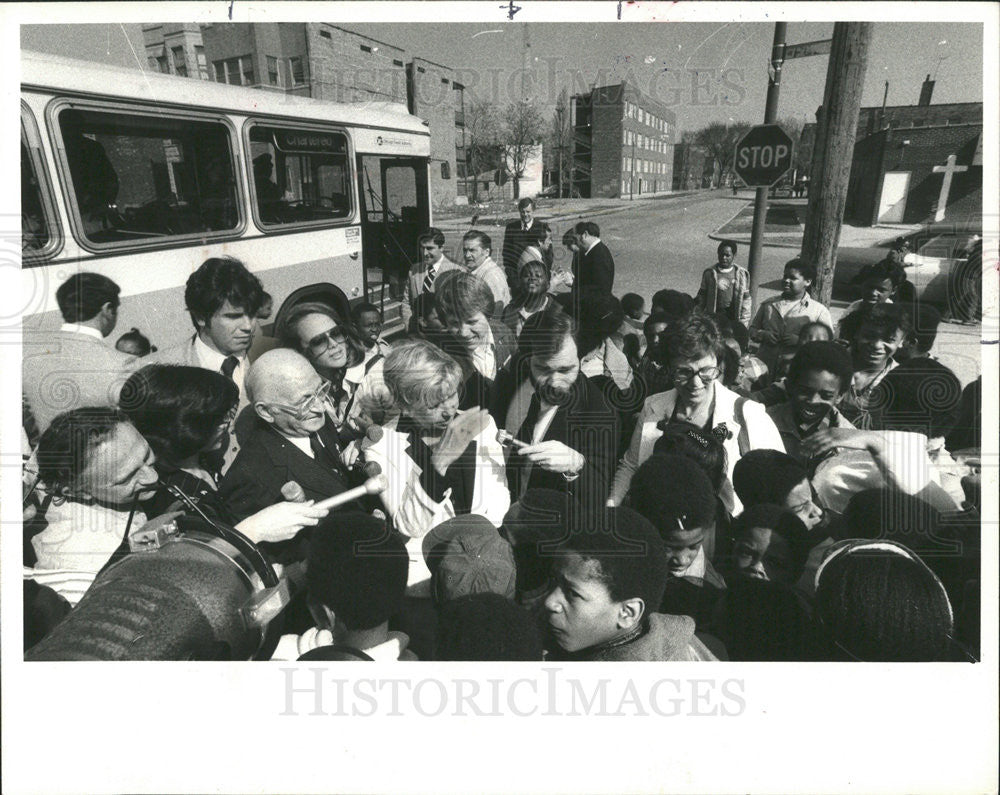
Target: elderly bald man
{"x": 292, "y": 439}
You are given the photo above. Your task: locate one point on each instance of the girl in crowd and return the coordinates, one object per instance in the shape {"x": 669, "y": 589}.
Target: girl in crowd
{"x": 532, "y": 295}
{"x": 694, "y": 351}
{"x": 880, "y": 334}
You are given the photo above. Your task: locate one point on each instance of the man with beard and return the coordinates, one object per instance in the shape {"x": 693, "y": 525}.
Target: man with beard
{"x": 563, "y": 427}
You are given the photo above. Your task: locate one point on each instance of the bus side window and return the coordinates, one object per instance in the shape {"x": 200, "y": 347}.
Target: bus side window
{"x": 35, "y": 234}
{"x": 136, "y": 178}
{"x": 299, "y": 176}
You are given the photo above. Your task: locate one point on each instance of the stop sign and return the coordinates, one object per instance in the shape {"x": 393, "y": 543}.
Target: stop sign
{"x": 763, "y": 156}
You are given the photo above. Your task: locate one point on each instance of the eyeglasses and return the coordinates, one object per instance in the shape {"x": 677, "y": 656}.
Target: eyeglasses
{"x": 684, "y": 374}
{"x": 321, "y": 343}
{"x": 306, "y": 406}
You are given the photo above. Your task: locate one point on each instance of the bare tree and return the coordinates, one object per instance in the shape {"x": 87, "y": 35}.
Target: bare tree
{"x": 719, "y": 140}
{"x": 521, "y": 130}
{"x": 482, "y": 139}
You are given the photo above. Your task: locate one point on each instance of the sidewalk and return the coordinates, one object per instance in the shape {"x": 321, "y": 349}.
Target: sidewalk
{"x": 785, "y": 223}
{"x": 498, "y": 214}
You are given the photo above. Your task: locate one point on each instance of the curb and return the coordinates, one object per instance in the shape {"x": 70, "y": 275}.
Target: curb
{"x": 745, "y": 240}
{"x": 458, "y": 223}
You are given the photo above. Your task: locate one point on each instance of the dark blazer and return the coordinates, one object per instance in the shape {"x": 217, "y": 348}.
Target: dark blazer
{"x": 515, "y": 241}
{"x": 588, "y": 424}
{"x": 596, "y": 268}
{"x": 265, "y": 463}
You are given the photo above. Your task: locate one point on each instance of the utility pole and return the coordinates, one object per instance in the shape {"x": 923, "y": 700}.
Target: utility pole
{"x": 836, "y": 132}
{"x": 770, "y": 117}
{"x": 559, "y": 120}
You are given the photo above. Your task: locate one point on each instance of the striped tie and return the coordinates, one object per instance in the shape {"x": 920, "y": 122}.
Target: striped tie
{"x": 429, "y": 279}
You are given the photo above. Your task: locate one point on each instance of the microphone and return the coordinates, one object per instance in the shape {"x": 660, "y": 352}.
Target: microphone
{"x": 293, "y": 492}
{"x": 507, "y": 439}
{"x": 375, "y": 485}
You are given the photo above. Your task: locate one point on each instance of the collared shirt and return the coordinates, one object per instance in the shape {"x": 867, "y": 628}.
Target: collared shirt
{"x": 302, "y": 442}
{"x": 211, "y": 359}
{"x": 495, "y": 279}
{"x": 783, "y": 416}
{"x": 484, "y": 357}
{"x": 696, "y": 569}
{"x": 596, "y": 241}
{"x": 77, "y": 328}
{"x": 546, "y": 414}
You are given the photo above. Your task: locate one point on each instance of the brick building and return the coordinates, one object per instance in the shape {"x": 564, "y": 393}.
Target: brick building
{"x": 623, "y": 143}
{"x": 331, "y": 63}
{"x": 176, "y": 49}
{"x": 907, "y": 159}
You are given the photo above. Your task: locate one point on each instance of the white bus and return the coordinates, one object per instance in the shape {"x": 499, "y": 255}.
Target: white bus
{"x": 141, "y": 177}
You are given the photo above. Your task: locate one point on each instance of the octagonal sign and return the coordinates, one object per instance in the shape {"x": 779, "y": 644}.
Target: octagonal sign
{"x": 763, "y": 156}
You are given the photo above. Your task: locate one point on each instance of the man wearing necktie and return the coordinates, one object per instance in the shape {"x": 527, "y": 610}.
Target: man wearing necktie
{"x": 433, "y": 263}
{"x": 516, "y": 240}
{"x": 293, "y": 438}
{"x": 223, "y": 298}
{"x": 566, "y": 430}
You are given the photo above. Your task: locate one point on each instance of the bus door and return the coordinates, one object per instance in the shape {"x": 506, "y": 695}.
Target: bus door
{"x": 395, "y": 209}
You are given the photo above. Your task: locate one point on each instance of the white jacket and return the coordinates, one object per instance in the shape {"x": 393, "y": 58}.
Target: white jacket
{"x": 415, "y": 513}
{"x": 761, "y": 433}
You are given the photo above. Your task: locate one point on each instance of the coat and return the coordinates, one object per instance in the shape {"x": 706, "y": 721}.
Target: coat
{"x": 64, "y": 370}
{"x": 587, "y": 424}
{"x": 415, "y": 513}
{"x": 754, "y": 431}
{"x": 595, "y": 268}
{"x": 414, "y": 285}
{"x": 515, "y": 241}
{"x": 265, "y": 463}
{"x": 741, "y": 307}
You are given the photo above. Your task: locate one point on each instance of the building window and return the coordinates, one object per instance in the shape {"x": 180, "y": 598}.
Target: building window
{"x": 296, "y": 68}
{"x": 180, "y": 61}
{"x": 219, "y": 67}
{"x": 444, "y": 81}
{"x": 163, "y": 64}
{"x": 445, "y": 169}
{"x": 325, "y": 34}
{"x": 272, "y": 70}
{"x": 365, "y": 48}
{"x": 421, "y": 70}
{"x": 396, "y": 62}
{"x": 199, "y": 54}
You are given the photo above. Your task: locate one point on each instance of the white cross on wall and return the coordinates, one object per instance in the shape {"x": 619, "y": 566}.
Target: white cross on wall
{"x": 947, "y": 170}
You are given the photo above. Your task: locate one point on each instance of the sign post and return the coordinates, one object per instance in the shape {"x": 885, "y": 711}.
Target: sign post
{"x": 755, "y": 160}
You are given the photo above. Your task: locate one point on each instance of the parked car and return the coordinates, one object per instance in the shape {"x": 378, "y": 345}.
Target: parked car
{"x": 933, "y": 263}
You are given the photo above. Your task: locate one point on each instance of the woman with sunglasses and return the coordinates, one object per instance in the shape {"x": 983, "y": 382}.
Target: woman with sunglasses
{"x": 185, "y": 414}
{"x": 334, "y": 350}
{"x": 694, "y": 351}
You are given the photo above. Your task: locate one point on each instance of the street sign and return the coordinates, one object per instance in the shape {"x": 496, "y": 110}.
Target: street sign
{"x": 807, "y": 48}
{"x": 763, "y": 156}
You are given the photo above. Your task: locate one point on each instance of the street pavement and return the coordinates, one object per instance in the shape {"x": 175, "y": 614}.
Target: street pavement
{"x": 663, "y": 242}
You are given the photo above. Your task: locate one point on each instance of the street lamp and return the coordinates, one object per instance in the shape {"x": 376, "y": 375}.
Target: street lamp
{"x": 559, "y": 117}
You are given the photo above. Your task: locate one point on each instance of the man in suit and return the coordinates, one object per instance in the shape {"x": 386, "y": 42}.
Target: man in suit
{"x": 476, "y": 254}
{"x": 594, "y": 265}
{"x": 224, "y": 300}
{"x": 433, "y": 263}
{"x": 515, "y": 240}
{"x": 565, "y": 429}
{"x": 73, "y": 367}
{"x": 293, "y": 438}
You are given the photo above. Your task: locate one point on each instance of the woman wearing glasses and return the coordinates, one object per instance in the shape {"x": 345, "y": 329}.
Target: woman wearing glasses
{"x": 695, "y": 351}
{"x": 185, "y": 414}
{"x": 334, "y": 350}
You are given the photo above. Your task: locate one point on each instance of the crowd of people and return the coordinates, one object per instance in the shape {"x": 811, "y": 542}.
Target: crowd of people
{"x": 565, "y": 476}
